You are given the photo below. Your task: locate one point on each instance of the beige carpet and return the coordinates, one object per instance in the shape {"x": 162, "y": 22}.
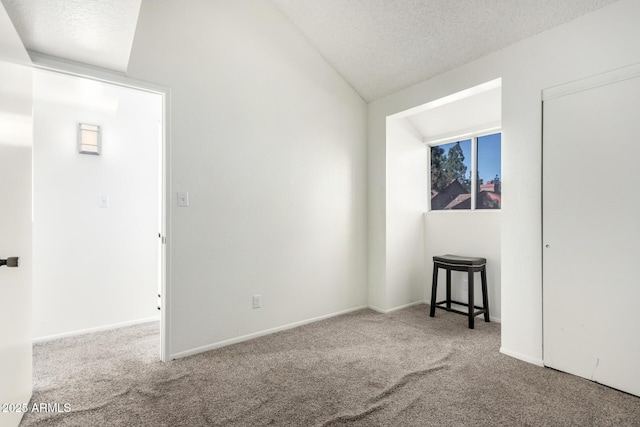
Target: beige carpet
{"x": 360, "y": 369}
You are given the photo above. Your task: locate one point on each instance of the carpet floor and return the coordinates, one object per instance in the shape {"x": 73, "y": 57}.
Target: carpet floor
{"x": 358, "y": 369}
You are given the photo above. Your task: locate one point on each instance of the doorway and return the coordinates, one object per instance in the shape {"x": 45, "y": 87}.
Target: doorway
{"x": 98, "y": 221}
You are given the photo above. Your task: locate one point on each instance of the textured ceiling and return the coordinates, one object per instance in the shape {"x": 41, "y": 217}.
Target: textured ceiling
{"x": 378, "y": 46}
{"x": 95, "y": 32}
{"x": 382, "y": 46}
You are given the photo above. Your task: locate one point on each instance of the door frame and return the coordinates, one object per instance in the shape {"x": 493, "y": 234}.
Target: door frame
{"x": 44, "y": 62}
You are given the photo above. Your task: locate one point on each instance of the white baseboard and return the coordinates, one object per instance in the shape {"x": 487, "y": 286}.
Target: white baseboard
{"x": 247, "y": 337}
{"x": 391, "y": 310}
{"x": 96, "y": 329}
{"x": 523, "y": 357}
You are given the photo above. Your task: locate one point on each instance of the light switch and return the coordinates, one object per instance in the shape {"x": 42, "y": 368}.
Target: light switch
{"x": 183, "y": 199}
{"x": 103, "y": 201}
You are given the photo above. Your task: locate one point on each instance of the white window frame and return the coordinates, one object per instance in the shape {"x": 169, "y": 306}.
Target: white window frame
{"x": 473, "y": 136}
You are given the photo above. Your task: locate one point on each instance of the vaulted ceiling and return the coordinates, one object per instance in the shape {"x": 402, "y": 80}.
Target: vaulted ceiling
{"x": 378, "y": 46}
{"x": 94, "y": 32}
{"x": 382, "y": 46}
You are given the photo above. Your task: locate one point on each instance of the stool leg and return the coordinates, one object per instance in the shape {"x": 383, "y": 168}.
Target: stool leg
{"x": 485, "y": 295}
{"x": 470, "y": 302}
{"x": 448, "y": 289}
{"x": 434, "y": 290}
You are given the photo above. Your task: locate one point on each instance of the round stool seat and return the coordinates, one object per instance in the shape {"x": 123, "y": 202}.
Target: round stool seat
{"x": 459, "y": 260}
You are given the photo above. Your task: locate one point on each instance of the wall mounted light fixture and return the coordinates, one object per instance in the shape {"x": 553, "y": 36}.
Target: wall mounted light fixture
{"x": 89, "y": 139}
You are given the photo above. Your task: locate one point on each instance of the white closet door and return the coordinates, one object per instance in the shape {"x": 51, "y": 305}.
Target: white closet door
{"x": 591, "y": 231}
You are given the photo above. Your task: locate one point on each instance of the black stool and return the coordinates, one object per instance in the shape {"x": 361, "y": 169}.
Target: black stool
{"x": 460, "y": 263}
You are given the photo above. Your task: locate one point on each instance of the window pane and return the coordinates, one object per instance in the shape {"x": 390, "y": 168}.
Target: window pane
{"x": 451, "y": 175}
{"x": 489, "y": 176}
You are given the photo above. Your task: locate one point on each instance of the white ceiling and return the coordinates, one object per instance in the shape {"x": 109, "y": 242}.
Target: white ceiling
{"x": 382, "y": 46}
{"x": 378, "y": 46}
{"x": 479, "y": 111}
{"x": 94, "y": 32}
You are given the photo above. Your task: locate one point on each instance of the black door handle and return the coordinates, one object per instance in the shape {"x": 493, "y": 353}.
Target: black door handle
{"x": 9, "y": 262}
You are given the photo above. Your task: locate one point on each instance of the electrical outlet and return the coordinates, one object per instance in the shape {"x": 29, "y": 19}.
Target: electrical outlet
{"x": 103, "y": 201}
{"x": 257, "y": 301}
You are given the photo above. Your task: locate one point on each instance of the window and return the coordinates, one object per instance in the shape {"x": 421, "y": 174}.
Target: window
{"x": 489, "y": 193}
{"x": 465, "y": 174}
{"x": 451, "y": 175}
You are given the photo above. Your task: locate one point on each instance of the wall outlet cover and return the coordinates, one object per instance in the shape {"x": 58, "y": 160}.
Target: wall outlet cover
{"x": 257, "y": 301}
{"x": 183, "y": 199}
{"x": 103, "y": 201}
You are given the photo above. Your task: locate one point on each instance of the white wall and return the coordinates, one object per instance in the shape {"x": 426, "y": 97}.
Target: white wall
{"x": 407, "y": 199}
{"x": 270, "y": 143}
{"x": 94, "y": 266}
{"x": 605, "y": 39}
